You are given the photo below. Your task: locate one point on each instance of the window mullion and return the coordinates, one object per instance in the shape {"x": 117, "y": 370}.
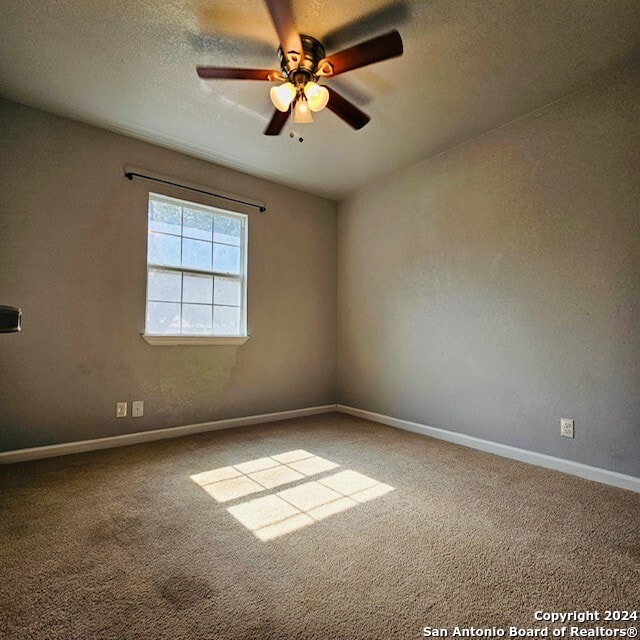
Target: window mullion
{"x": 201, "y": 272}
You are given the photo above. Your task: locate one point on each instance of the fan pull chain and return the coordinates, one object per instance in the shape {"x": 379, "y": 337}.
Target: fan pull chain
{"x": 291, "y": 133}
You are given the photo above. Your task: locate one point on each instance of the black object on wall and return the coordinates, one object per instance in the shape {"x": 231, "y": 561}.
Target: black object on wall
{"x": 10, "y": 319}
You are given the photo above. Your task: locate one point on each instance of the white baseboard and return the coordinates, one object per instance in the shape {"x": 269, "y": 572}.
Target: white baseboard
{"x": 50, "y": 451}
{"x": 539, "y": 459}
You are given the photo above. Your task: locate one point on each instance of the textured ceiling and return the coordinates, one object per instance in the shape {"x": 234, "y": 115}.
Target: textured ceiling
{"x": 129, "y": 65}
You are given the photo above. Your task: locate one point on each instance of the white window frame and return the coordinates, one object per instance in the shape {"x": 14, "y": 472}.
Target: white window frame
{"x": 201, "y": 339}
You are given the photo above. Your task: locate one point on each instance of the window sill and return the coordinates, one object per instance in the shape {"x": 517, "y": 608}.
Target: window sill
{"x": 164, "y": 340}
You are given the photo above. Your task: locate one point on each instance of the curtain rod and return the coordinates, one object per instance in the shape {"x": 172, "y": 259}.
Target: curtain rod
{"x": 132, "y": 174}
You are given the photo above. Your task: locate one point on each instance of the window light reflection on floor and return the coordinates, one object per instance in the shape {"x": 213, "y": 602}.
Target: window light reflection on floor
{"x": 295, "y": 507}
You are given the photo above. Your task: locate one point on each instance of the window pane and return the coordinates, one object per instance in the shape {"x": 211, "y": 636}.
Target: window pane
{"x": 188, "y": 244}
{"x": 164, "y": 285}
{"x": 196, "y": 254}
{"x": 226, "y": 259}
{"x": 227, "y": 291}
{"x": 227, "y": 230}
{"x": 196, "y": 319}
{"x": 165, "y": 217}
{"x": 163, "y": 317}
{"x": 197, "y": 224}
{"x": 197, "y": 289}
{"x": 226, "y": 320}
{"x": 164, "y": 249}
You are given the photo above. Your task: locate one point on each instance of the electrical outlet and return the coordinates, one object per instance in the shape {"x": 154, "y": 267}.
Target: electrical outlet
{"x": 137, "y": 408}
{"x": 566, "y": 427}
{"x": 121, "y": 409}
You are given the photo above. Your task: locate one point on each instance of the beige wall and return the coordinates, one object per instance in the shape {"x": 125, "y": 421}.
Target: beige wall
{"x": 489, "y": 290}
{"x": 72, "y": 255}
{"x": 496, "y": 287}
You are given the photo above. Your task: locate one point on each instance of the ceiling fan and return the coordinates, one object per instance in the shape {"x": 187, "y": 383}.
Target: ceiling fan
{"x": 303, "y": 62}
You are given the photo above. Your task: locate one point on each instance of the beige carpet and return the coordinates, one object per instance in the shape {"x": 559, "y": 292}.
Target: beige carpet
{"x": 324, "y": 527}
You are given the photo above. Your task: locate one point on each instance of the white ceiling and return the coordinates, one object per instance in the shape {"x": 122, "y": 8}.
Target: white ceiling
{"x": 129, "y": 66}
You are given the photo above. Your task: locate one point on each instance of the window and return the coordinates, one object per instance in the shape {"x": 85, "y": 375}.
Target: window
{"x": 196, "y": 274}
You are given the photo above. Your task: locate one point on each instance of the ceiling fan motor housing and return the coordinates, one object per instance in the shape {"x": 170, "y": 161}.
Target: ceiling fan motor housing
{"x": 301, "y": 69}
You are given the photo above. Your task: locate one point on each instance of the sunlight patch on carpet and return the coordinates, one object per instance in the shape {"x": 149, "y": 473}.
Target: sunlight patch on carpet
{"x": 233, "y": 482}
{"x": 296, "y": 507}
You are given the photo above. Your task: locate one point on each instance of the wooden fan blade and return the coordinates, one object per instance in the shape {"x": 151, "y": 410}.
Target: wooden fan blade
{"x": 377, "y": 49}
{"x": 347, "y": 110}
{"x": 282, "y": 16}
{"x": 390, "y": 16}
{"x": 231, "y": 73}
{"x": 277, "y": 123}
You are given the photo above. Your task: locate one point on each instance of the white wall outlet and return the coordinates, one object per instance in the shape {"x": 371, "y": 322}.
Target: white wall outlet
{"x": 121, "y": 409}
{"x": 566, "y": 427}
{"x": 137, "y": 408}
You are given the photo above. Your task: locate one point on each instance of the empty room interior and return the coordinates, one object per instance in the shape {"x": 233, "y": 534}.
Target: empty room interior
{"x": 319, "y": 319}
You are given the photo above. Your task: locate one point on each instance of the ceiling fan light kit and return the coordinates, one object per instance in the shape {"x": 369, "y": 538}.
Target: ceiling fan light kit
{"x": 282, "y": 96}
{"x": 317, "y": 96}
{"x": 303, "y": 63}
{"x": 301, "y": 112}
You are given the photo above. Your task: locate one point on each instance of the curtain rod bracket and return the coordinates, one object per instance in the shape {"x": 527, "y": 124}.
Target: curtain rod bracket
{"x": 132, "y": 174}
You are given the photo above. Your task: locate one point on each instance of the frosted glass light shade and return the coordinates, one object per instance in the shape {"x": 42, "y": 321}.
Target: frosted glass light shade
{"x": 301, "y": 112}
{"x": 317, "y": 96}
{"x": 282, "y": 96}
